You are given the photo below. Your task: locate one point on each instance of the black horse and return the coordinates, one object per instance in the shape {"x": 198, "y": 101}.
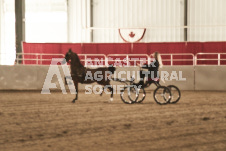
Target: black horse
{"x": 79, "y": 73}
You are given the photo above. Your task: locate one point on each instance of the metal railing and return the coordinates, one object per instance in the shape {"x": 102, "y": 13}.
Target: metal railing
{"x": 127, "y": 59}
{"x": 39, "y": 58}
{"x": 210, "y": 58}
{"x": 172, "y": 60}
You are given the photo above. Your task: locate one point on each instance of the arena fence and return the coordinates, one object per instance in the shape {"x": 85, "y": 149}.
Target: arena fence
{"x": 105, "y": 60}
{"x": 95, "y": 60}
{"x": 36, "y": 58}
{"x": 210, "y": 59}
{"x": 31, "y": 71}
{"x": 98, "y": 60}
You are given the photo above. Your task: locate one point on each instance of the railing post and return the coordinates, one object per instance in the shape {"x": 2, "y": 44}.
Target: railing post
{"x": 196, "y": 59}
{"x": 171, "y": 59}
{"x": 219, "y": 59}
{"x": 41, "y": 59}
{"x": 85, "y": 60}
{"x": 193, "y": 56}
{"x": 127, "y": 60}
{"x": 17, "y": 62}
{"x": 106, "y": 61}
{"x": 36, "y": 59}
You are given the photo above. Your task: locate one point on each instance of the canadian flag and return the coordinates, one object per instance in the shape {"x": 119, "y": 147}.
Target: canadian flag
{"x": 132, "y": 35}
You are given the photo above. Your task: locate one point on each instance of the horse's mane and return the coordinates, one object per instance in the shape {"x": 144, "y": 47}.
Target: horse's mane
{"x": 77, "y": 60}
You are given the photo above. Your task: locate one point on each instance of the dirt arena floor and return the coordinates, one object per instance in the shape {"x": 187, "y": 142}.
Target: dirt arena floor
{"x": 30, "y": 121}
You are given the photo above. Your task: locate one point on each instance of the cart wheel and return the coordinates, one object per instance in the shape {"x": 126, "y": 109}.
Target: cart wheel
{"x": 141, "y": 95}
{"x": 129, "y": 95}
{"x": 162, "y": 95}
{"x": 175, "y": 94}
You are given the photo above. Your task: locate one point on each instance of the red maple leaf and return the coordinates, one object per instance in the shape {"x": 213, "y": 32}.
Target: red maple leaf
{"x": 131, "y": 34}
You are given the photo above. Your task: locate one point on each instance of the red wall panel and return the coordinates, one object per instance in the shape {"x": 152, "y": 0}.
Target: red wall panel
{"x": 74, "y": 47}
{"x": 139, "y": 48}
{"x": 176, "y": 47}
{"x": 124, "y": 48}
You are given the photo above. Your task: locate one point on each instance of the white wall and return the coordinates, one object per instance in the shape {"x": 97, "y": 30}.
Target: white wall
{"x": 78, "y": 21}
{"x": 7, "y": 32}
{"x": 138, "y": 14}
{"x": 164, "y": 20}
{"x": 1, "y": 28}
{"x": 74, "y": 20}
{"x": 206, "y": 19}
{"x": 46, "y": 21}
{"x": 207, "y": 13}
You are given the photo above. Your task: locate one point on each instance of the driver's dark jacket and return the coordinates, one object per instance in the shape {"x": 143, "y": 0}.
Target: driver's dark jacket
{"x": 153, "y": 68}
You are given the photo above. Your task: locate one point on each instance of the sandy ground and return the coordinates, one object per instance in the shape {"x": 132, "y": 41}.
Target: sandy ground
{"x": 30, "y": 121}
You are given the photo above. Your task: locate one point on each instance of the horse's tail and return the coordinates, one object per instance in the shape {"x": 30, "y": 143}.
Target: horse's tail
{"x": 112, "y": 69}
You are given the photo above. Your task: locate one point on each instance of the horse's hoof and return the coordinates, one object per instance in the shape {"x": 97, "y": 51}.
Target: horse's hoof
{"x": 73, "y": 101}
{"x": 111, "y": 99}
{"x": 101, "y": 93}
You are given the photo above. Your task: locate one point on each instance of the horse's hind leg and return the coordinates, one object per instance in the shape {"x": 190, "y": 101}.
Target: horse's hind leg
{"x": 76, "y": 90}
{"x": 112, "y": 92}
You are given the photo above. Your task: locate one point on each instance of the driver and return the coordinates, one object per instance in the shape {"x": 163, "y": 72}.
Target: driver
{"x": 153, "y": 68}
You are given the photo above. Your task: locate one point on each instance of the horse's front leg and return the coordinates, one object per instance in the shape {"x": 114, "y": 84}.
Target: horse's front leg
{"x": 76, "y": 92}
{"x": 112, "y": 92}
{"x": 102, "y": 91}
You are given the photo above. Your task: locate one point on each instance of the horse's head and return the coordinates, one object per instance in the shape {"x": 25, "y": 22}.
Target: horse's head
{"x": 68, "y": 56}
